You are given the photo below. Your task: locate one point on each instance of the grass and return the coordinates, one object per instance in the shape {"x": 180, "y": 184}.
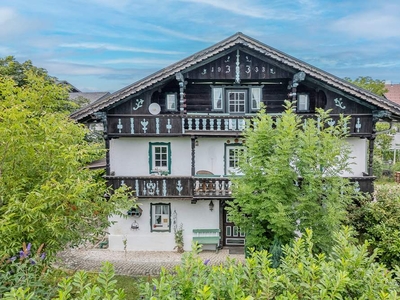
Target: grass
{"x": 130, "y": 285}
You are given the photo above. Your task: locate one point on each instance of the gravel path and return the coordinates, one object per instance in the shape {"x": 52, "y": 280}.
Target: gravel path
{"x": 133, "y": 263}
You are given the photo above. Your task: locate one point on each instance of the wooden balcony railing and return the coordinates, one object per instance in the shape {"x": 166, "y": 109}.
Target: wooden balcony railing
{"x": 177, "y": 125}
{"x": 171, "y": 187}
{"x": 194, "y": 187}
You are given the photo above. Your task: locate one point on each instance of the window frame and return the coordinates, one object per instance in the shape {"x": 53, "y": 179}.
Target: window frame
{"x": 245, "y": 92}
{"x": 171, "y": 98}
{"x": 231, "y": 170}
{"x": 303, "y": 106}
{"x": 217, "y": 94}
{"x": 157, "y": 169}
{"x": 153, "y": 213}
{"x": 258, "y": 101}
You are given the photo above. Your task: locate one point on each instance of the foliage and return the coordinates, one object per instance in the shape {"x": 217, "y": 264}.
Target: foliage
{"x": 178, "y": 235}
{"x": 378, "y": 222}
{"x": 25, "y": 270}
{"x": 375, "y": 86}
{"x": 79, "y": 286}
{"x": 9, "y": 67}
{"x": 348, "y": 272}
{"x": 47, "y": 194}
{"x": 383, "y": 141}
{"x": 291, "y": 179}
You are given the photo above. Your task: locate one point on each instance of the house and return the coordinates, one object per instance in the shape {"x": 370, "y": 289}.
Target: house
{"x": 393, "y": 94}
{"x": 172, "y": 136}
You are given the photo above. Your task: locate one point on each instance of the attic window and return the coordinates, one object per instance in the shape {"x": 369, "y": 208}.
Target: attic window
{"x": 303, "y": 103}
{"x": 171, "y": 102}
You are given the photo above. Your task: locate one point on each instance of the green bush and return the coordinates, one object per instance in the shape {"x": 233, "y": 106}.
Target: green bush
{"x": 79, "y": 286}
{"x": 378, "y": 222}
{"x": 348, "y": 272}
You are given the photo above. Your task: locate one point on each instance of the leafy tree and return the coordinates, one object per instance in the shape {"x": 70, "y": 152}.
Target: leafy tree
{"x": 291, "y": 179}
{"x": 47, "y": 194}
{"x": 18, "y": 72}
{"x": 375, "y": 86}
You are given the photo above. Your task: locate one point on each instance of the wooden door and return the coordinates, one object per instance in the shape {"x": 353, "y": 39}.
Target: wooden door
{"x": 232, "y": 235}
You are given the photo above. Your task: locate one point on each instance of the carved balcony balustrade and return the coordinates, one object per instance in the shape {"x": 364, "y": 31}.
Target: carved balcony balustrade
{"x": 207, "y": 124}
{"x": 194, "y": 187}
{"x": 174, "y": 187}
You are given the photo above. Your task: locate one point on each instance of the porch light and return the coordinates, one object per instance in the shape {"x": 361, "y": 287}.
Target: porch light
{"x": 134, "y": 225}
{"x": 211, "y": 206}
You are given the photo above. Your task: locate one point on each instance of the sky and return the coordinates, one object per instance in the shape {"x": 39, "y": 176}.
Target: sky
{"x": 105, "y": 45}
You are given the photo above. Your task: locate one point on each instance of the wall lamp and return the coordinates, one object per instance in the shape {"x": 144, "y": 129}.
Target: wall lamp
{"x": 211, "y": 205}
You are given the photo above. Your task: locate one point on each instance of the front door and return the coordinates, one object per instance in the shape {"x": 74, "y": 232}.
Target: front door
{"x": 232, "y": 236}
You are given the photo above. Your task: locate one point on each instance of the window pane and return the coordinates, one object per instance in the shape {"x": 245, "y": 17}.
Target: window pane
{"x": 228, "y": 230}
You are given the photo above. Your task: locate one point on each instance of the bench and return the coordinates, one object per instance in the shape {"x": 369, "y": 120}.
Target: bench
{"x": 207, "y": 237}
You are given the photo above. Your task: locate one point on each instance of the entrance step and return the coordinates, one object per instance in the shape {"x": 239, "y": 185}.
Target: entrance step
{"x": 236, "y": 250}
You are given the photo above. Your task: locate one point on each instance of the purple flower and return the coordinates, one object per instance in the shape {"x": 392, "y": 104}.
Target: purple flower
{"x": 13, "y": 258}
{"x": 32, "y": 262}
{"x": 206, "y": 262}
{"x": 28, "y": 248}
{"x": 154, "y": 287}
{"x": 22, "y": 254}
{"x": 43, "y": 256}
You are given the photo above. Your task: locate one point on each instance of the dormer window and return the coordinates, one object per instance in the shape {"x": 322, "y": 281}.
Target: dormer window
{"x": 171, "y": 102}
{"x": 303, "y": 103}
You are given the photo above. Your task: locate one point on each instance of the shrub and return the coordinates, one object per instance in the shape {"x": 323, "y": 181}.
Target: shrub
{"x": 347, "y": 272}
{"x": 378, "y": 222}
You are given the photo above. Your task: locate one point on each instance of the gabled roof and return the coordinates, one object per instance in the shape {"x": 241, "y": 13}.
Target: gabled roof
{"x": 91, "y": 96}
{"x": 393, "y": 93}
{"x": 239, "y": 39}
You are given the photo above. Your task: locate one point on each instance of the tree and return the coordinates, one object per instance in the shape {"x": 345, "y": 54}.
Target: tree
{"x": 375, "y": 86}
{"x": 291, "y": 179}
{"x": 10, "y": 67}
{"x": 47, "y": 194}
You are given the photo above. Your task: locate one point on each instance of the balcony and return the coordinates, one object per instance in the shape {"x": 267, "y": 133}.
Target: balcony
{"x": 207, "y": 124}
{"x": 175, "y": 187}
{"x": 189, "y": 187}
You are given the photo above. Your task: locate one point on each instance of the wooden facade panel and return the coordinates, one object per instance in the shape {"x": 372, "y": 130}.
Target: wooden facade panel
{"x": 250, "y": 68}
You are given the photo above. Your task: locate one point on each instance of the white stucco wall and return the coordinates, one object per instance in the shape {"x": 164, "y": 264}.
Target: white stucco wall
{"x": 130, "y": 157}
{"x": 192, "y": 216}
{"x": 359, "y": 154}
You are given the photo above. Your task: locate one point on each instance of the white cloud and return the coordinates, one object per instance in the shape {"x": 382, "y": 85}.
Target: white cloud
{"x": 12, "y": 24}
{"x": 140, "y": 61}
{"x": 110, "y": 47}
{"x": 377, "y": 23}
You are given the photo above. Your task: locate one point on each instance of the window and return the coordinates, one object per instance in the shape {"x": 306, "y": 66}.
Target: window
{"x": 303, "y": 102}
{"x": 255, "y": 98}
{"x": 236, "y": 101}
{"x": 160, "y": 216}
{"x": 171, "y": 102}
{"x": 160, "y": 158}
{"x": 232, "y": 155}
{"x": 217, "y": 99}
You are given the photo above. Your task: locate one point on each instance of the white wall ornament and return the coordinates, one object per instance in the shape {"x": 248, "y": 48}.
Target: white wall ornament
{"x": 138, "y": 104}
{"x": 339, "y": 103}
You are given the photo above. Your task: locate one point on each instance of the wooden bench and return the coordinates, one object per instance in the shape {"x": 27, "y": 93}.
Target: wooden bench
{"x": 207, "y": 237}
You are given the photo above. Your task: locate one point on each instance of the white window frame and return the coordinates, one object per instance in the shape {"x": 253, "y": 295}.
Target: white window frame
{"x": 171, "y": 103}
{"x": 217, "y": 98}
{"x": 157, "y": 158}
{"x": 255, "y": 98}
{"x": 237, "y": 103}
{"x": 303, "y": 102}
{"x": 232, "y": 170}
{"x": 160, "y": 217}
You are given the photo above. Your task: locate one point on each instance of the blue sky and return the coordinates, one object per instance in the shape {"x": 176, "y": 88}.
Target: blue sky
{"x": 105, "y": 45}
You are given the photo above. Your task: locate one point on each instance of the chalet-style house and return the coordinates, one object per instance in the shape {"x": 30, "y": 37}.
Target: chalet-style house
{"x": 172, "y": 136}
